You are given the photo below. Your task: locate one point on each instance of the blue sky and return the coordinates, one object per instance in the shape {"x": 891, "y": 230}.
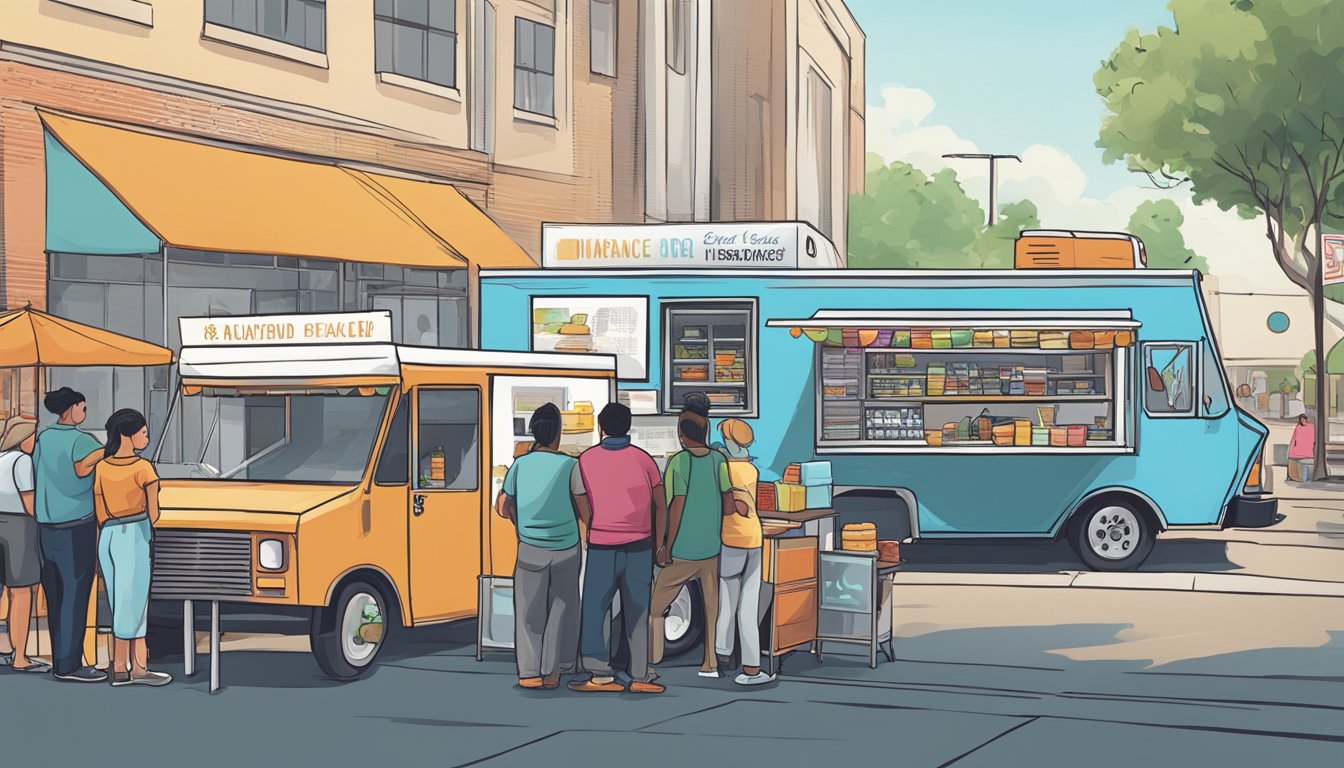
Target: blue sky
{"x": 1006, "y": 75}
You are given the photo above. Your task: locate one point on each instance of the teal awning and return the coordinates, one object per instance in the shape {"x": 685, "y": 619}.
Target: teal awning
{"x": 83, "y": 216}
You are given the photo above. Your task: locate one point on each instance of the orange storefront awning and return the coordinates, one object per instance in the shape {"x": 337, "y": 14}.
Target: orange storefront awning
{"x": 209, "y": 198}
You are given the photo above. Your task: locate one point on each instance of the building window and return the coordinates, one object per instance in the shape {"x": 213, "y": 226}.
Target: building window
{"x": 297, "y": 22}
{"x": 710, "y": 347}
{"x": 534, "y": 67}
{"x": 602, "y": 42}
{"x": 816, "y": 206}
{"x": 417, "y": 39}
{"x": 678, "y": 19}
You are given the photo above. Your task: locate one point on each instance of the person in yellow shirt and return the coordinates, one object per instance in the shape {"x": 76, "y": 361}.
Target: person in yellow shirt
{"x": 126, "y": 500}
{"x": 740, "y": 558}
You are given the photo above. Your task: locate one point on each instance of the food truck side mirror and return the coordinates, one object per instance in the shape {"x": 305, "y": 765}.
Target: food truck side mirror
{"x": 1155, "y": 382}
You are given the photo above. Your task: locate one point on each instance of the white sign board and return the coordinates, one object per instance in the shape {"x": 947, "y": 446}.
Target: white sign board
{"x": 1332, "y": 257}
{"x": 275, "y": 330}
{"x": 612, "y": 325}
{"x": 720, "y": 245}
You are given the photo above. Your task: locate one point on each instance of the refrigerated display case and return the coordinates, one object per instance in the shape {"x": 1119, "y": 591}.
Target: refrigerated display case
{"x": 855, "y": 605}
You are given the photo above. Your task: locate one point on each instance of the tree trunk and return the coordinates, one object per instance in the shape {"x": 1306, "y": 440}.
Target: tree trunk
{"x": 1319, "y": 470}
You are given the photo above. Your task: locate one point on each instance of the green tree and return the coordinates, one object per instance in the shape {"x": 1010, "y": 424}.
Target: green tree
{"x": 1158, "y": 224}
{"x": 1243, "y": 100}
{"x": 995, "y": 244}
{"x": 908, "y": 220}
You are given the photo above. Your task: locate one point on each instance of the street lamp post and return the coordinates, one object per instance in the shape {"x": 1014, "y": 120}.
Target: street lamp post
{"x": 993, "y": 176}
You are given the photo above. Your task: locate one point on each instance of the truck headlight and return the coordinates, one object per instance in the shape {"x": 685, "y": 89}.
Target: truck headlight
{"x": 271, "y": 554}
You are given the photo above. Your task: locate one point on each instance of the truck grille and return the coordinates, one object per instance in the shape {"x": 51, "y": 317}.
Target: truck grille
{"x": 201, "y": 564}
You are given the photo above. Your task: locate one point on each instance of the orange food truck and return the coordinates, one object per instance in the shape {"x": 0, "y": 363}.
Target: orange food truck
{"x": 311, "y": 464}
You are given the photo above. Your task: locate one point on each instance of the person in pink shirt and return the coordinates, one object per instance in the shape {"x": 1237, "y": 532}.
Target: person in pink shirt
{"x": 622, "y": 506}
{"x": 1302, "y": 446}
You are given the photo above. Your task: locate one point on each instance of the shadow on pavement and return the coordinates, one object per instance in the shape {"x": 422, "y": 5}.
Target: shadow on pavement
{"x": 1002, "y": 556}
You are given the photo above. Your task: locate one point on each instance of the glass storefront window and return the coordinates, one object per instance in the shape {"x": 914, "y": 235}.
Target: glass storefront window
{"x": 710, "y": 347}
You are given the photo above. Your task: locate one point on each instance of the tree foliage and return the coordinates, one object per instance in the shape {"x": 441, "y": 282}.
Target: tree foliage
{"x": 1158, "y": 224}
{"x": 1243, "y": 100}
{"x": 906, "y": 219}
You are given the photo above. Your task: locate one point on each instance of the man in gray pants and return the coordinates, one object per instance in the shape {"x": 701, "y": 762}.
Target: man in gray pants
{"x": 537, "y": 497}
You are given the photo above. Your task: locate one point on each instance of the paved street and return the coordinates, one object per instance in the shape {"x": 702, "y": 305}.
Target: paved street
{"x": 1008, "y": 654}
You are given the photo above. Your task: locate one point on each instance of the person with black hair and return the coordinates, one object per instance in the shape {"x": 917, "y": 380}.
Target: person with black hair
{"x": 697, "y": 403}
{"x": 699, "y": 495}
{"x": 126, "y": 497}
{"x": 64, "y": 460}
{"x": 623, "y": 508}
{"x": 539, "y": 496}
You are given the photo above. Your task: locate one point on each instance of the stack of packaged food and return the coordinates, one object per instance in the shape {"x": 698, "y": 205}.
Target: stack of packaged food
{"x": 937, "y": 380}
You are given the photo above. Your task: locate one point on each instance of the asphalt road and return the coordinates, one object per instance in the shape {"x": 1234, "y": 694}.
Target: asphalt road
{"x": 995, "y": 672}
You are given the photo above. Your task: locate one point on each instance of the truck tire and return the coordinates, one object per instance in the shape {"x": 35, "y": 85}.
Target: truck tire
{"x": 684, "y": 623}
{"x": 1112, "y": 535}
{"x": 348, "y": 634}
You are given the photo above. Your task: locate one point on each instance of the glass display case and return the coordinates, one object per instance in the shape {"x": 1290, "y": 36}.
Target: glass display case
{"x": 980, "y": 389}
{"x": 709, "y": 348}
{"x": 855, "y": 605}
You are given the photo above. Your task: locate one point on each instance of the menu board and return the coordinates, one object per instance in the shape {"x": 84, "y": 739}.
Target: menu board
{"x": 611, "y": 325}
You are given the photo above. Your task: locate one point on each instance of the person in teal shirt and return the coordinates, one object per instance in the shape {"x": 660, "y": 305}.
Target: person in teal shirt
{"x": 540, "y": 495}
{"x": 63, "y": 504}
{"x": 699, "y": 495}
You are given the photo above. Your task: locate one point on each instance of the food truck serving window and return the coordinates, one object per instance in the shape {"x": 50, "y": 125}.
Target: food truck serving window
{"x": 983, "y": 388}
{"x": 710, "y": 347}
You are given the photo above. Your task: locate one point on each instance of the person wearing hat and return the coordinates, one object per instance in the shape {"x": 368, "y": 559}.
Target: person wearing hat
{"x": 20, "y": 552}
{"x": 740, "y": 559}
{"x": 65, "y": 458}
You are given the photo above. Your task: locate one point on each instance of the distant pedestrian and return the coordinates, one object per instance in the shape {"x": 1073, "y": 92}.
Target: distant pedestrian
{"x": 64, "y": 460}
{"x": 623, "y": 508}
{"x": 698, "y": 491}
{"x": 697, "y": 403}
{"x": 740, "y": 559}
{"x": 126, "y": 496}
{"x": 1301, "y": 447}
{"x": 20, "y": 550}
{"x": 538, "y": 496}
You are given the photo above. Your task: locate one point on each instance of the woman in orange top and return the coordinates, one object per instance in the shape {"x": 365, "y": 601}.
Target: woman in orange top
{"x": 126, "y": 498}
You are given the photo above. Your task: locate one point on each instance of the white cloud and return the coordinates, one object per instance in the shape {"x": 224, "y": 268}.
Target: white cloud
{"x": 1234, "y": 247}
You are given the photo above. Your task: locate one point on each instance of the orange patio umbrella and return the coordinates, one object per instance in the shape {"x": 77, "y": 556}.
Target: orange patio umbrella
{"x": 32, "y": 338}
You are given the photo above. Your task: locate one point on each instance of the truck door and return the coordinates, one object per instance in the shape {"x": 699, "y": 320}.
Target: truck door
{"x": 1188, "y": 442}
{"x": 445, "y": 510}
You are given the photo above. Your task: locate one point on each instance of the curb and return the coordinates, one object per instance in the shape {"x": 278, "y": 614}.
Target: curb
{"x": 1224, "y": 583}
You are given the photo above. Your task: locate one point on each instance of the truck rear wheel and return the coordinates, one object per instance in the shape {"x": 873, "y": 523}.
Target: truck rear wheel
{"x": 1112, "y": 535}
{"x": 684, "y": 622}
{"x": 347, "y": 635}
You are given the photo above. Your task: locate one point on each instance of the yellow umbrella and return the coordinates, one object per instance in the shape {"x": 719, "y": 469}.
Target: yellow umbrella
{"x": 32, "y": 338}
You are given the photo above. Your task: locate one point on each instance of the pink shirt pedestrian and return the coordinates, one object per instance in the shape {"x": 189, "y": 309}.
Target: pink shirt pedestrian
{"x": 619, "y": 479}
{"x": 1303, "y": 444}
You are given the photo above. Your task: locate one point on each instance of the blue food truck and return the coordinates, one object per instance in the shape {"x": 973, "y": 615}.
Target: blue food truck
{"x": 1090, "y": 405}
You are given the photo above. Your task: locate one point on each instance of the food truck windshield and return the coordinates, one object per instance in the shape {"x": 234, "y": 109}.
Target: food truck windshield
{"x": 274, "y": 434}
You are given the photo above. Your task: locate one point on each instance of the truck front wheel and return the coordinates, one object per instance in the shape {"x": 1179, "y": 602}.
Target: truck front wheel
{"x": 347, "y": 635}
{"x": 1112, "y": 535}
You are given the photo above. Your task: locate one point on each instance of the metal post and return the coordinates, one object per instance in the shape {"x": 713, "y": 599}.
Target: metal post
{"x": 214, "y": 646}
{"x": 993, "y": 177}
{"x": 188, "y": 638}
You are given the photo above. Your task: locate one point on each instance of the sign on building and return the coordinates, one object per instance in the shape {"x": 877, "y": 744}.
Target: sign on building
{"x": 757, "y": 245}
{"x": 271, "y": 330}
{"x": 1332, "y": 256}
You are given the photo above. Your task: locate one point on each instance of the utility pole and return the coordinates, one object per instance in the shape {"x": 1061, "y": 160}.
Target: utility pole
{"x": 993, "y": 177}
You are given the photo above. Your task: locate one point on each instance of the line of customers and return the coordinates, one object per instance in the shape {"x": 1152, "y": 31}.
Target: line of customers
{"x": 697, "y": 522}
{"x": 69, "y": 507}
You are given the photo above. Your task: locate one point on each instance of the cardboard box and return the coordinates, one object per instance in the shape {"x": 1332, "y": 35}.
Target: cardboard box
{"x": 815, "y": 473}
{"x": 817, "y": 496}
{"x": 790, "y": 497}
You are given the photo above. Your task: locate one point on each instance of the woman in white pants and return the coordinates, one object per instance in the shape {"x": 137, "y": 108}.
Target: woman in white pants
{"x": 740, "y": 559}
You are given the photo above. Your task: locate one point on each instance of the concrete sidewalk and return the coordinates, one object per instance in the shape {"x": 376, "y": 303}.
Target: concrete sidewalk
{"x": 1227, "y": 583}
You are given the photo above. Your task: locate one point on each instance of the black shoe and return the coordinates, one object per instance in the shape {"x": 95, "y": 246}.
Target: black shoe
{"x": 82, "y": 675}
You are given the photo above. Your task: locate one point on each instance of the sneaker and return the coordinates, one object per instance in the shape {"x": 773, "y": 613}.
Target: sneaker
{"x": 550, "y": 683}
{"x": 82, "y": 675}
{"x": 531, "y": 682}
{"x": 152, "y": 679}
{"x": 7, "y": 659}
{"x": 760, "y": 678}
{"x": 647, "y": 688}
{"x": 591, "y": 685}
{"x": 714, "y": 673}
{"x": 33, "y": 666}
{"x": 121, "y": 678}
